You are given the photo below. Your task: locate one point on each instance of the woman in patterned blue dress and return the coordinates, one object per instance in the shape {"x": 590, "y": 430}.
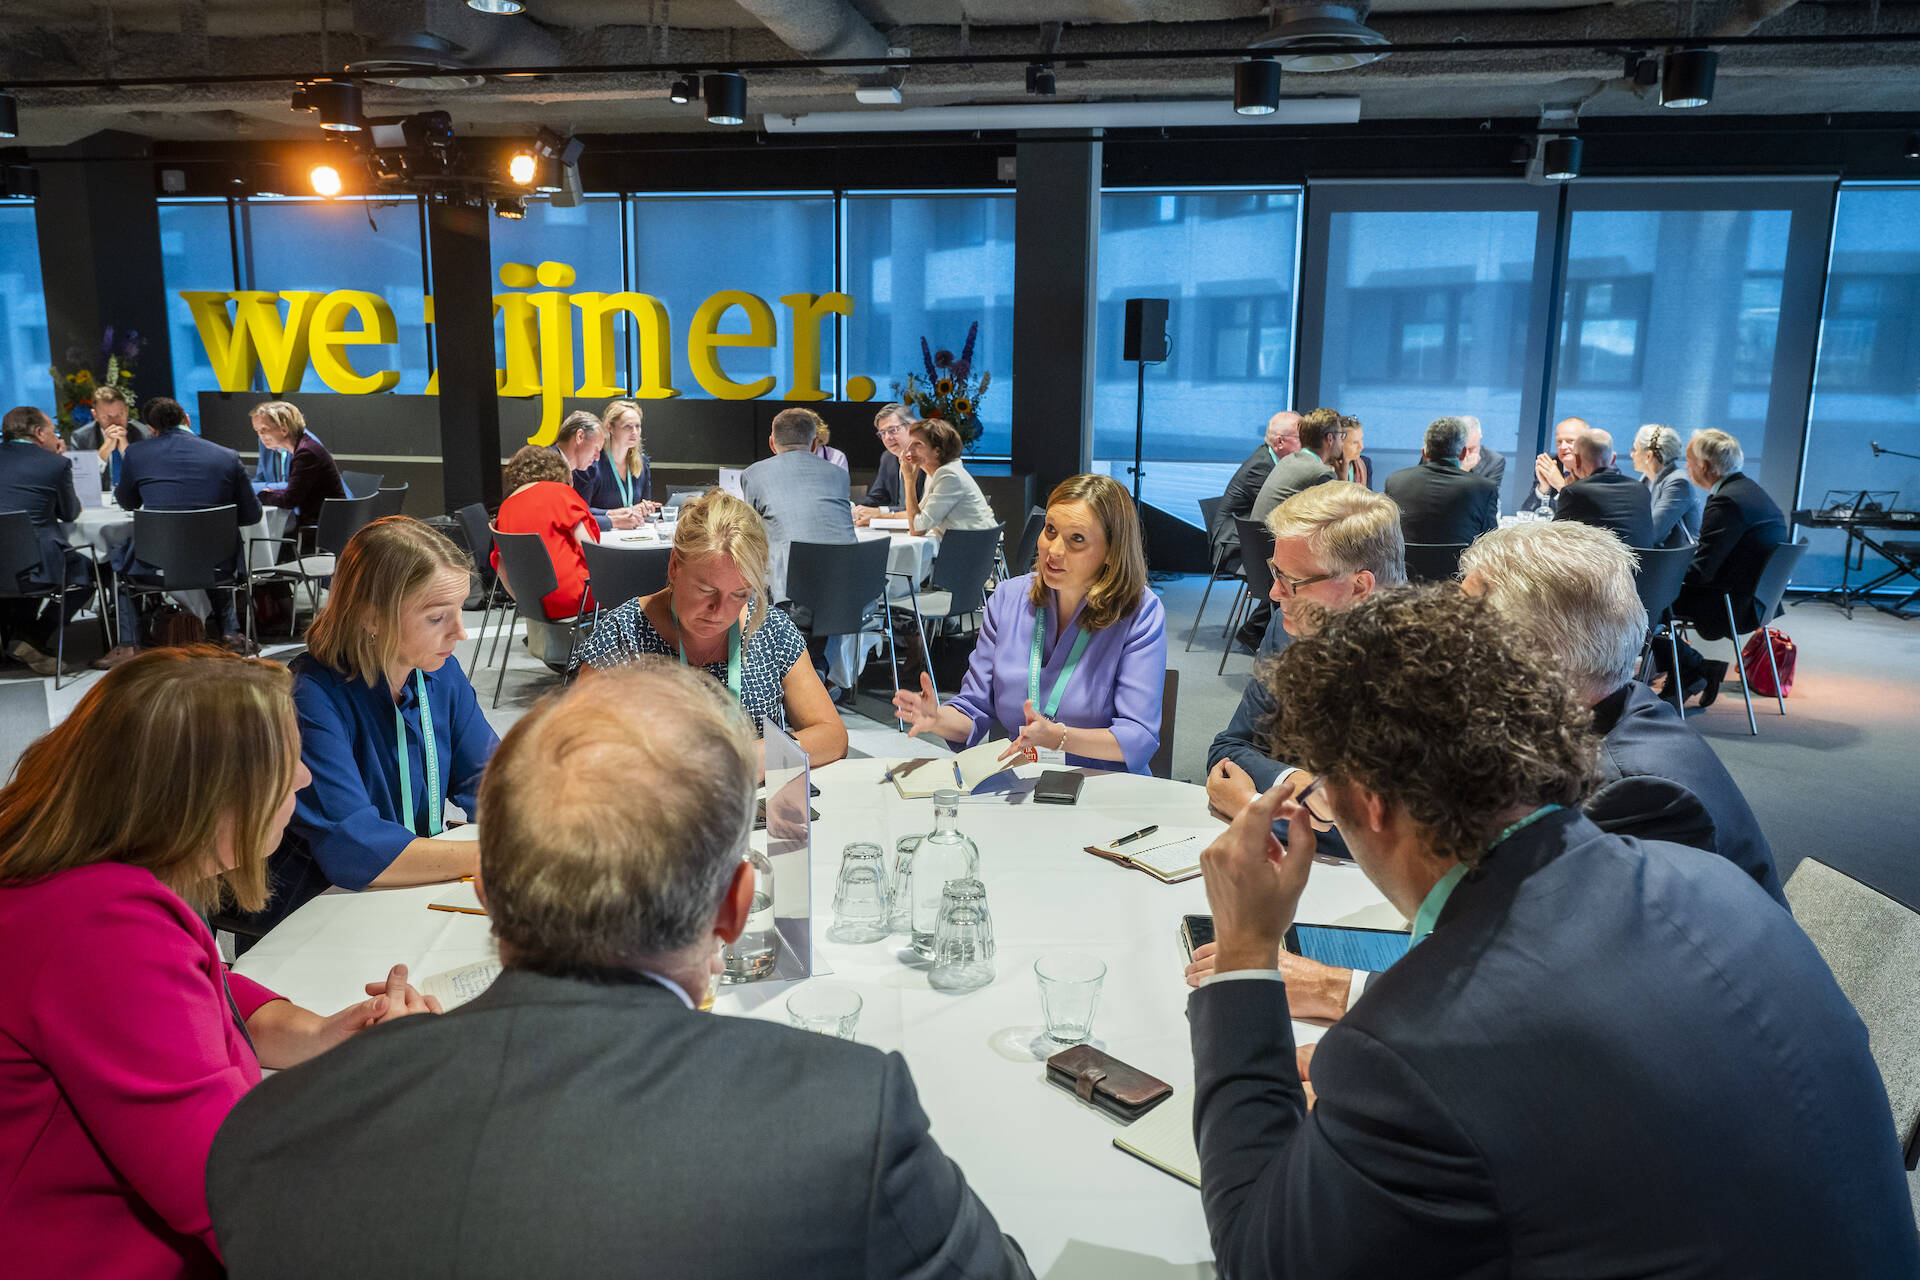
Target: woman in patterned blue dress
{"x": 715, "y": 614}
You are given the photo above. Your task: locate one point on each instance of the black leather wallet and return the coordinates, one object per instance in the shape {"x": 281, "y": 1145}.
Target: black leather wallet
{"x": 1058, "y": 786}
{"x": 1106, "y": 1082}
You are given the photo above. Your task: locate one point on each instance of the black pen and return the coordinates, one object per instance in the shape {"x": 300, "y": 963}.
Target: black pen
{"x": 1144, "y": 831}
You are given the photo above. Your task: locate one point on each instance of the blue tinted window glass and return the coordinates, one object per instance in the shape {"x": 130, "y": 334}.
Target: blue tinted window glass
{"x": 585, "y": 237}
{"x": 1866, "y": 386}
{"x": 1224, "y": 260}
{"x": 196, "y": 252}
{"x": 687, "y": 249}
{"x": 931, "y": 267}
{"x": 23, "y": 313}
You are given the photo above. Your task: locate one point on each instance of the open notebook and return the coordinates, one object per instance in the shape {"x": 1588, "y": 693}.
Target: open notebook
{"x": 919, "y": 779}
{"x": 1164, "y": 1139}
{"x": 1171, "y": 854}
{"x": 457, "y": 986}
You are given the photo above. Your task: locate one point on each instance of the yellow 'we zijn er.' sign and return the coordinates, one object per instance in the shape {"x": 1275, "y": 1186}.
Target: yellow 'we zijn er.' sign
{"x": 279, "y": 335}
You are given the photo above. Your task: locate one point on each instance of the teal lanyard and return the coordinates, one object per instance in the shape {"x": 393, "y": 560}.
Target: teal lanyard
{"x": 624, "y": 486}
{"x": 435, "y": 812}
{"x": 733, "y": 654}
{"x": 1059, "y": 691}
{"x": 1436, "y": 900}
{"x": 1273, "y": 455}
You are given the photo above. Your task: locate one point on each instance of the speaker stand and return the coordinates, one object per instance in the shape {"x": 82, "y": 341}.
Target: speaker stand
{"x": 1139, "y": 425}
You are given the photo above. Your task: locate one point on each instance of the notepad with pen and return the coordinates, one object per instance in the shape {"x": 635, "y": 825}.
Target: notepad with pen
{"x": 1168, "y": 854}
{"x": 920, "y": 779}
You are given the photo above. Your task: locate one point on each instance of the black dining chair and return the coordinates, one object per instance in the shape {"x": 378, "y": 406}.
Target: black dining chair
{"x": 1256, "y": 578}
{"x": 617, "y": 574}
{"x": 361, "y": 484}
{"x": 529, "y": 578}
{"x": 197, "y": 550}
{"x": 1222, "y": 556}
{"x": 389, "y": 501}
{"x": 842, "y": 586}
{"x": 1019, "y": 559}
{"x": 1767, "y": 593}
{"x": 959, "y": 581}
{"x": 1657, "y": 580}
{"x": 1161, "y": 765}
{"x": 340, "y": 519}
{"x": 477, "y": 528}
{"x": 20, "y": 553}
{"x": 1434, "y": 561}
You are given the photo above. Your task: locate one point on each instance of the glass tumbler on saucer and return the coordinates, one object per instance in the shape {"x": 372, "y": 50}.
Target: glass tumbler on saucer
{"x": 963, "y": 939}
{"x": 861, "y": 902}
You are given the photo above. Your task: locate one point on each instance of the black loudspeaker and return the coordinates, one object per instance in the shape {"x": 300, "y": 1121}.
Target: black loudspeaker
{"x": 1146, "y": 330}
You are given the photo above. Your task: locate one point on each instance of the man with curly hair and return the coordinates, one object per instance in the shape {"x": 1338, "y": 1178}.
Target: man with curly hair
{"x": 1599, "y": 1057}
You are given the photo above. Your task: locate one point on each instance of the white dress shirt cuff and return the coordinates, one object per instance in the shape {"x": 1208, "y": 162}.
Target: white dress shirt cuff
{"x": 1272, "y": 975}
{"x": 1356, "y": 986}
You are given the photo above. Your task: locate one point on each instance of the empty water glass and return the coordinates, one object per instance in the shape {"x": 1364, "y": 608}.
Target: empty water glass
{"x": 900, "y": 899}
{"x": 963, "y": 939}
{"x": 862, "y": 905}
{"x": 1069, "y": 993}
{"x": 826, "y": 1007}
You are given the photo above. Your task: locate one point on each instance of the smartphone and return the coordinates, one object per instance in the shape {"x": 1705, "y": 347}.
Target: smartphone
{"x": 1195, "y": 932}
{"x": 1347, "y": 946}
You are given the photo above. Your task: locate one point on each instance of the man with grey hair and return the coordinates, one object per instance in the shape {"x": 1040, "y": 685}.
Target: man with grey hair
{"x": 801, "y": 496}
{"x": 1440, "y": 503}
{"x": 1570, "y": 586}
{"x": 1552, "y": 472}
{"x": 1676, "y": 503}
{"x": 1488, "y": 463}
{"x": 1599, "y": 495}
{"x": 581, "y": 1117}
{"x": 1282, "y": 438}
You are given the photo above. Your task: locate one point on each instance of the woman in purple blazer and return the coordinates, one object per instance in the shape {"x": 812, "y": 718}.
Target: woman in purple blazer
{"x": 124, "y": 1042}
{"x": 1071, "y": 657}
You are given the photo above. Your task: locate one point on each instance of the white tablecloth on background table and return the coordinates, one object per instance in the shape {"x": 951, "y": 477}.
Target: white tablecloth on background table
{"x": 103, "y": 527}
{"x": 1042, "y": 1161}
{"x": 909, "y": 561}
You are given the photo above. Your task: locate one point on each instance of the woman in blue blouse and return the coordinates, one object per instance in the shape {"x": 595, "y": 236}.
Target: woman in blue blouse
{"x": 389, "y": 725}
{"x": 1071, "y": 657}
{"x": 614, "y": 480}
{"x": 714, "y": 613}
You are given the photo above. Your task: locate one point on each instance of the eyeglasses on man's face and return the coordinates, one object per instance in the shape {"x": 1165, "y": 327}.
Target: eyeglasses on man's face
{"x": 1314, "y": 801}
{"x": 1293, "y": 586}
{"x": 888, "y": 432}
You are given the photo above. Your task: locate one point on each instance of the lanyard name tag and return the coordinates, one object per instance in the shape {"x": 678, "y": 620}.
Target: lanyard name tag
{"x": 733, "y": 655}
{"x": 1059, "y": 690}
{"x": 624, "y": 486}
{"x": 436, "y": 805}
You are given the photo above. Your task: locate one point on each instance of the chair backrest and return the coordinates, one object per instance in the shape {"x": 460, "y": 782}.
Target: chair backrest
{"x": 1161, "y": 766}
{"x": 341, "y": 518}
{"x": 23, "y": 717}
{"x": 19, "y": 548}
{"x": 1022, "y": 559}
{"x": 679, "y": 493}
{"x": 1256, "y": 548}
{"x": 1433, "y": 561}
{"x": 479, "y": 530}
{"x": 1781, "y": 562}
{"x": 1872, "y": 944}
{"x": 963, "y": 566}
{"x": 361, "y": 484}
{"x": 389, "y": 501}
{"x": 528, "y": 571}
{"x": 1658, "y": 579}
{"x": 619, "y": 574}
{"x": 188, "y": 547}
{"x": 837, "y": 581}
{"x": 1210, "y": 511}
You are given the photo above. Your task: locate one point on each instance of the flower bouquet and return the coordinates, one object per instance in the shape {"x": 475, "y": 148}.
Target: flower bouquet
{"x": 74, "y": 380}
{"x": 950, "y": 392}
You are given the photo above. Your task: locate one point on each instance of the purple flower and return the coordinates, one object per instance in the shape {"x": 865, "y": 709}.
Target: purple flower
{"x": 966, "y": 352}
{"x": 926, "y": 354}
{"x": 943, "y": 359}
{"x": 961, "y": 368}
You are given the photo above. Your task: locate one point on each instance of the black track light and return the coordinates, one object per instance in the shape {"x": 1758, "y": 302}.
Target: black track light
{"x": 1256, "y": 87}
{"x": 1686, "y": 77}
{"x": 726, "y": 94}
{"x": 512, "y": 208}
{"x": 9, "y": 117}
{"x": 1560, "y": 159}
{"x": 337, "y": 101}
{"x": 1040, "y": 79}
{"x": 685, "y": 89}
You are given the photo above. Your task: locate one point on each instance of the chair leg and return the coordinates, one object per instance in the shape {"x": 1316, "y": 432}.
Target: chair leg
{"x": 1213, "y": 576}
{"x": 486, "y": 614}
{"x": 1746, "y": 690}
{"x": 920, "y": 625}
{"x": 893, "y": 657}
{"x": 1779, "y": 694}
{"x": 501, "y": 682}
{"x": 60, "y": 626}
{"x": 1673, "y": 682}
{"x": 1244, "y": 597}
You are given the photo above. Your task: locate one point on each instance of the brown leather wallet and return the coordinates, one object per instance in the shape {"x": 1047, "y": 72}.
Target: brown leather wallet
{"x": 1106, "y": 1082}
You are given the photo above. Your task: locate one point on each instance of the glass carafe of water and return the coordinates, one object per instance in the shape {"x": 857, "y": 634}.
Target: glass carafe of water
{"x": 946, "y": 854}
{"x": 753, "y": 955}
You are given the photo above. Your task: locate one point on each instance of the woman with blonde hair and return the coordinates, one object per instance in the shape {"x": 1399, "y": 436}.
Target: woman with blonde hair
{"x": 123, "y": 1040}
{"x": 618, "y": 480}
{"x": 389, "y": 724}
{"x": 310, "y": 477}
{"x": 715, "y": 613}
{"x": 1072, "y": 657}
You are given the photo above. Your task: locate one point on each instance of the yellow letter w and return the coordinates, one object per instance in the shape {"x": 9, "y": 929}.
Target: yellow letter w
{"x": 254, "y": 335}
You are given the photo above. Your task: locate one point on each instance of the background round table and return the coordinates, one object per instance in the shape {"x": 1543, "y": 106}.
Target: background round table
{"x": 104, "y": 527}
{"x": 1042, "y": 1161}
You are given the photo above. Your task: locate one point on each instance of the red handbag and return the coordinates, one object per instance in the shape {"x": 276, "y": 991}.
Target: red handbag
{"x": 1757, "y": 672}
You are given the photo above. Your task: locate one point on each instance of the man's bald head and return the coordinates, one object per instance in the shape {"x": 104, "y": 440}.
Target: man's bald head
{"x": 1592, "y": 451}
{"x": 1283, "y": 432}
{"x": 1564, "y": 432}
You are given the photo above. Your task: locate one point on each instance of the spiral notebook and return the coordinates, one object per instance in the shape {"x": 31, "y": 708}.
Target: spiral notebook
{"x": 1164, "y": 1139}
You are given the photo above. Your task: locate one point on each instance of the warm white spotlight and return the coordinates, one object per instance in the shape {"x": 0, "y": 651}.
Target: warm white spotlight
{"x": 521, "y": 169}
{"x": 325, "y": 179}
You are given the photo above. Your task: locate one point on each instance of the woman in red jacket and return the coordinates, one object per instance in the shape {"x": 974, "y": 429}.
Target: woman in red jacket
{"x": 123, "y": 1040}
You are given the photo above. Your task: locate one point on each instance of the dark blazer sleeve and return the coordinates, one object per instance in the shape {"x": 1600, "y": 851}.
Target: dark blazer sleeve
{"x": 1244, "y": 740}
{"x": 1578, "y": 506}
{"x": 1720, "y": 530}
{"x": 1376, "y": 1180}
{"x": 66, "y": 500}
{"x": 1493, "y": 468}
{"x": 1487, "y": 514}
{"x": 1649, "y": 808}
{"x": 473, "y": 739}
{"x": 885, "y": 489}
{"x": 926, "y": 1220}
{"x": 307, "y": 484}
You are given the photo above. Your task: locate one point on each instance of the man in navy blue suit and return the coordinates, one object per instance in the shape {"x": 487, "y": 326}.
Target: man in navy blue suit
{"x": 35, "y": 477}
{"x": 1600, "y": 495}
{"x": 1600, "y": 1056}
{"x": 176, "y": 470}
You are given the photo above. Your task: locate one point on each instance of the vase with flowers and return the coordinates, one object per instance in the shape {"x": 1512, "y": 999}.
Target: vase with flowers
{"x": 950, "y": 392}
{"x": 75, "y": 381}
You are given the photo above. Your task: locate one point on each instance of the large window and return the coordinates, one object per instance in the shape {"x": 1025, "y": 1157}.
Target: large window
{"x": 1430, "y": 306}
{"x": 585, "y": 237}
{"x": 196, "y": 252}
{"x": 1867, "y": 383}
{"x": 931, "y": 267}
{"x": 23, "y": 313}
{"x": 1225, "y": 261}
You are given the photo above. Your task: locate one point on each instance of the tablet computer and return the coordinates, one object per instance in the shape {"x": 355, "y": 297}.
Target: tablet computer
{"x": 1347, "y": 946}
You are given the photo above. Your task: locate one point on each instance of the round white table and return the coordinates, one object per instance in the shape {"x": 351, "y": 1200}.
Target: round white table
{"x": 104, "y": 526}
{"x": 1042, "y": 1161}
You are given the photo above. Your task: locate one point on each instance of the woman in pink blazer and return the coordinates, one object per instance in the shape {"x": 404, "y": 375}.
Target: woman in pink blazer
{"x": 124, "y": 1042}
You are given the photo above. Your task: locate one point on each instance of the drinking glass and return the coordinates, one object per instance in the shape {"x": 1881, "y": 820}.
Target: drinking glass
{"x": 826, "y": 1007}
{"x": 1069, "y": 992}
{"x": 899, "y": 885}
{"x": 861, "y": 903}
{"x": 963, "y": 939}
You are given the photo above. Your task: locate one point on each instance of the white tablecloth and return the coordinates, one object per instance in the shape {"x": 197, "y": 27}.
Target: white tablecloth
{"x": 909, "y": 561}
{"x": 1043, "y": 1162}
{"x": 103, "y": 527}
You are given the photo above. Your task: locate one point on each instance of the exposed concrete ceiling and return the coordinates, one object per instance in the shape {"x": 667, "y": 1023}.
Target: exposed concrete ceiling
{"x": 52, "y": 39}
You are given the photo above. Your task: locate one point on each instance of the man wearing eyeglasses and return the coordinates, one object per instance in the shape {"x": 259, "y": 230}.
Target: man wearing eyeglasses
{"x": 1322, "y": 434}
{"x": 888, "y": 493}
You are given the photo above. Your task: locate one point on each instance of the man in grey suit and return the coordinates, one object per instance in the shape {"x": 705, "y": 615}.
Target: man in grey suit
{"x": 581, "y": 1118}
{"x": 1488, "y": 464}
{"x": 801, "y": 496}
{"x": 1661, "y": 461}
{"x": 1322, "y": 432}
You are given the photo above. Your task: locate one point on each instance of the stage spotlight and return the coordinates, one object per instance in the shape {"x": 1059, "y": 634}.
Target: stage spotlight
{"x": 1686, "y": 77}
{"x": 726, "y": 94}
{"x": 685, "y": 89}
{"x": 1560, "y": 159}
{"x": 9, "y": 117}
{"x": 496, "y": 6}
{"x": 325, "y": 179}
{"x": 1040, "y": 79}
{"x": 338, "y": 102}
{"x": 1256, "y": 87}
{"x": 521, "y": 168}
{"x": 512, "y": 208}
